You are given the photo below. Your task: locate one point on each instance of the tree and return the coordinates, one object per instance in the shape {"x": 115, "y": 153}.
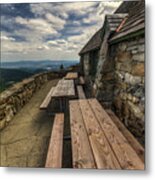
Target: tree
{"x": 61, "y": 67}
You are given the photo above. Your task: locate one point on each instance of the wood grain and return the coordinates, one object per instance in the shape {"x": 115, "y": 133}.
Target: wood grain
{"x": 47, "y": 99}
{"x": 64, "y": 88}
{"x": 71, "y": 75}
{"x": 81, "y": 80}
{"x": 54, "y": 155}
{"x": 131, "y": 139}
{"x": 104, "y": 156}
{"x": 81, "y": 150}
{"x": 81, "y": 93}
{"x": 126, "y": 155}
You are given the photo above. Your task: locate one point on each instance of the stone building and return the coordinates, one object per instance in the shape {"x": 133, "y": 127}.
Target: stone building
{"x": 118, "y": 63}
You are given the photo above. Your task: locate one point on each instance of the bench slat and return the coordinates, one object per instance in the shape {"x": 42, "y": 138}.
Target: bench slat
{"x": 82, "y": 153}
{"x": 104, "y": 156}
{"x": 54, "y": 156}
{"x": 82, "y": 81}
{"x": 81, "y": 93}
{"x": 126, "y": 155}
{"x": 47, "y": 99}
{"x": 131, "y": 139}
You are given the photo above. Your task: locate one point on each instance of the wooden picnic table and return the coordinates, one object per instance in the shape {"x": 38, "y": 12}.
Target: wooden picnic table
{"x": 71, "y": 75}
{"x": 96, "y": 140}
{"x": 64, "y": 89}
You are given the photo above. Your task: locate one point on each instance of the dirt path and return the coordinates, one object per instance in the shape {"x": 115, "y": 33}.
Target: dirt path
{"x": 24, "y": 141}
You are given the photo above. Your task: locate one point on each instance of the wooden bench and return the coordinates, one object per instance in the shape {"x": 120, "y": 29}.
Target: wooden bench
{"x": 47, "y": 99}
{"x": 80, "y": 92}
{"x": 96, "y": 140}
{"x": 131, "y": 139}
{"x": 81, "y": 80}
{"x": 54, "y": 155}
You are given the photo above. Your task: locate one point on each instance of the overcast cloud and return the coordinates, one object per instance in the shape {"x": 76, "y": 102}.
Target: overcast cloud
{"x": 55, "y": 31}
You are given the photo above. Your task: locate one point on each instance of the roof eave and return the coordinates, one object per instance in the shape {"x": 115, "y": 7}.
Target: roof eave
{"x": 127, "y": 36}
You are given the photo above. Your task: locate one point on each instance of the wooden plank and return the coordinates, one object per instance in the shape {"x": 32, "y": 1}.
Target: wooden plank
{"x": 131, "y": 139}
{"x": 54, "y": 156}
{"x": 126, "y": 155}
{"x": 47, "y": 99}
{"x": 81, "y": 150}
{"x": 81, "y": 93}
{"x": 82, "y": 81}
{"x": 104, "y": 156}
{"x": 71, "y": 75}
{"x": 64, "y": 88}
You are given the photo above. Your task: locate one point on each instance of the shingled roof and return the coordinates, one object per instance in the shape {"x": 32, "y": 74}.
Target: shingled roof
{"x": 93, "y": 43}
{"x": 133, "y": 23}
{"x": 114, "y": 20}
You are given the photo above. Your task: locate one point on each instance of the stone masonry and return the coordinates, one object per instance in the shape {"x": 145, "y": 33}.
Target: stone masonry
{"x": 15, "y": 97}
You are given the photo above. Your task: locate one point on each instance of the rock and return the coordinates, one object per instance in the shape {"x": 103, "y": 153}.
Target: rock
{"x": 139, "y": 57}
{"x": 141, "y": 48}
{"x": 2, "y": 124}
{"x": 124, "y": 56}
{"x": 134, "y": 51}
{"x": 133, "y": 80}
{"x": 135, "y": 110}
{"x": 122, "y": 46}
{"x": 134, "y": 47}
{"x": 138, "y": 69}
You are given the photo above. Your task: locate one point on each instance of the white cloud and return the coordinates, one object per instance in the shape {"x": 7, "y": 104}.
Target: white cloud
{"x": 6, "y": 38}
{"x": 56, "y": 22}
{"x": 51, "y": 19}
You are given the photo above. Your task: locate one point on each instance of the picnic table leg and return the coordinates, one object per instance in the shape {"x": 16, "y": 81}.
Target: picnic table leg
{"x": 61, "y": 104}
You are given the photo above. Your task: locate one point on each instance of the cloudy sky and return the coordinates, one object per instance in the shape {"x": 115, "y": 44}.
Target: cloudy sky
{"x": 55, "y": 31}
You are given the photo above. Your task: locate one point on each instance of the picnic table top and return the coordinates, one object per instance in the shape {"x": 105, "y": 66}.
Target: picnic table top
{"x": 71, "y": 75}
{"x": 96, "y": 140}
{"x": 64, "y": 88}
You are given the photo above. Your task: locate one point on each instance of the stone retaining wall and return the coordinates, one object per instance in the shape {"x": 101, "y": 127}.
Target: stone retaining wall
{"x": 15, "y": 97}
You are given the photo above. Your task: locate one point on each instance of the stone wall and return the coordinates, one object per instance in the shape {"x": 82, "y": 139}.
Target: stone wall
{"x": 129, "y": 87}
{"x": 15, "y": 97}
{"x": 119, "y": 82}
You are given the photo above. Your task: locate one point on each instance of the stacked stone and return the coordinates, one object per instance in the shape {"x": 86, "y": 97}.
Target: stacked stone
{"x": 129, "y": 85}
{"x": 14, "y": 98}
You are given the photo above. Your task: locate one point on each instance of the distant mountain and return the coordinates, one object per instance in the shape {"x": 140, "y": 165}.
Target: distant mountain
{"x": 12, "y": 72}
{"x": 33, "y": 65}
{"x": 11, "y": 76}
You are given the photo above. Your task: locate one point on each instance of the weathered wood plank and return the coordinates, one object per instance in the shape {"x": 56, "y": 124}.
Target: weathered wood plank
{"x": 64, "y": 88}
{"x": 54, "y": 156}
{"x": 71, "y": 75}
{"x": 131, "y": 139}
{"x": 104, "y": 156}
{"x": 81, "y": 150}
{"x": 81, "y": 93}
{"x": 126, "y": 155}
{"x": 47, "y": 99}
{"x": 81, "y": 80}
